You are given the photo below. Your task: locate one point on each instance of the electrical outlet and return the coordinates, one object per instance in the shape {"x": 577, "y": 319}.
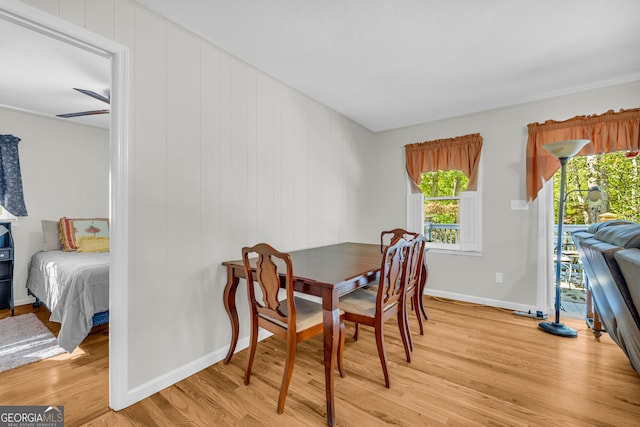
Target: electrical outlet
{"x": 499, "y": 278}
{"x": 536, "y": 315}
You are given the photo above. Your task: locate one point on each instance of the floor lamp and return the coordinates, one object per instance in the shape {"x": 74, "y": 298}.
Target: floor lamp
{"x": 563, "y": 150}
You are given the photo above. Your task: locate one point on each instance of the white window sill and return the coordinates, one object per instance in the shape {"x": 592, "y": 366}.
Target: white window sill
{"x": 440, "y": 250}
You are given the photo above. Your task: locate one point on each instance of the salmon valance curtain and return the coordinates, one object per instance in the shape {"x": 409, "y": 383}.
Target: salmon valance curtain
{"x": 461, "y": 153}
{"x": 608, "y": 133}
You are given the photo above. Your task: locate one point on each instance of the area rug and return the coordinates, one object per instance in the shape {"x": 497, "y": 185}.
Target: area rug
{"x": 24, "y": 339}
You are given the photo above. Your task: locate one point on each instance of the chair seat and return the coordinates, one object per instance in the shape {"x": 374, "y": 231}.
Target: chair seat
{"x": 373, "y": 286}
{"x": 308, "y": 314}
{"x": 361, "y": 302}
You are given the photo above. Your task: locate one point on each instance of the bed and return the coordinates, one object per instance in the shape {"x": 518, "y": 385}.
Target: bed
{"x": 74, "y": 286}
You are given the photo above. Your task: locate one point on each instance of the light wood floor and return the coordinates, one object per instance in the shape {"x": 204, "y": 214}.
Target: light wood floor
{"x": 475, "y": 365}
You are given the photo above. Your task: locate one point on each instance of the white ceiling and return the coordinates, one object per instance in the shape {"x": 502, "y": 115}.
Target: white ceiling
{"x": 393, "y": 63}
{"x": 383, "y": 63}
{"x": 38, "y": 74}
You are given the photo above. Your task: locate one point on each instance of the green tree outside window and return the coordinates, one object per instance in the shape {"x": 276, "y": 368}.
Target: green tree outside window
{"x": 615, "y": 174}
{"x": 448, "y": 183}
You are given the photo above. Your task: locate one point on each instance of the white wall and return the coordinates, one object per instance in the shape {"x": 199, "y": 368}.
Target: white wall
{"x": 509, "y": 237}
{"x": 65, "y": 172}
{"x": 221, "y": 156}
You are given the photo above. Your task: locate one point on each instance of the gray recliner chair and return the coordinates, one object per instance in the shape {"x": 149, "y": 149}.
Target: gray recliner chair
{"x": 610, "y": 254}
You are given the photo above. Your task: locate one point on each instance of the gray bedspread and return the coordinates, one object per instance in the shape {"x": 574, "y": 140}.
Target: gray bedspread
{"x": 74, "y": 286}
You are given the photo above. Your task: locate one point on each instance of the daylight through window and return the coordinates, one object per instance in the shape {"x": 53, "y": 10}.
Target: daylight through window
{"x": 442, "y": 205}
{"x": 615, "y": 174}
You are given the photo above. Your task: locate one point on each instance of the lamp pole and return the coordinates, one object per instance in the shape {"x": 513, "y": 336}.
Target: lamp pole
{"x": 556, "y": 327}
{"x": 563, "y": 150}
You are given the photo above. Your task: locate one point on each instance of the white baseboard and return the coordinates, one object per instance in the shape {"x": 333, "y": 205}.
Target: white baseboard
{"x": 29, "y": 300}
{"x": 478, "y": 300}
{"x": 147, "y": 389}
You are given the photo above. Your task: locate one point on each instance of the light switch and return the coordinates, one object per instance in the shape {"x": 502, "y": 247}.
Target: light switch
{"x": 519, "y": 205}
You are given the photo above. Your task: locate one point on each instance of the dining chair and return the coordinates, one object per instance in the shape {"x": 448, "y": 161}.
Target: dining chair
{"x": 417, "y": 302}
{"x": 414, "y": 270}
{"x": 374, "y": 309}
{"x": 416, "y": 277}
{"x": 393, "y": 237}
{"x": 292, "y": 319}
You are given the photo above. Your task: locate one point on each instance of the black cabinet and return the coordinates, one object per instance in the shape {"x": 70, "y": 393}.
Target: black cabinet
{"x": 6, "y": 267}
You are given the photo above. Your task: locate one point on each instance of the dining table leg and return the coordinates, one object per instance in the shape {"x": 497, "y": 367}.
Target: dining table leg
{"x": 230, "y": 306}
{"x": 331, "y": 321}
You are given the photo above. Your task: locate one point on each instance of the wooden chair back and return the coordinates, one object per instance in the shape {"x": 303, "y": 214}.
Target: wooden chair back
{"x": 273, "y": 270}
{"x": 414, "y": 262}
{"x": 391, "y": 287}
{"x": 414, "y": 273}
{"x": 395, "y": 235}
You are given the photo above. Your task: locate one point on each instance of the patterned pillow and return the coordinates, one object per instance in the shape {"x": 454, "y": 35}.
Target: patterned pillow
{"x": 72, "y": 229}
{"x": 92, "y": 244}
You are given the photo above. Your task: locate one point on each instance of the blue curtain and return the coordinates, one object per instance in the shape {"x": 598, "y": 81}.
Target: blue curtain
{"x": 11, "y": 196}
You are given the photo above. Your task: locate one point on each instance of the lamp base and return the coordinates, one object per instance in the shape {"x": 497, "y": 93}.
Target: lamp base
{"x": 558, "y": 329}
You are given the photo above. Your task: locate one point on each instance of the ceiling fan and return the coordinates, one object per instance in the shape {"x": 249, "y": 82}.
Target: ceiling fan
{"x": 105, "y": 99}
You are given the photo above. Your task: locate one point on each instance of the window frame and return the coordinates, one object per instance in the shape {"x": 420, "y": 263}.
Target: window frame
{"x": 470, "y": 219}
{"x": 440, "y": 245}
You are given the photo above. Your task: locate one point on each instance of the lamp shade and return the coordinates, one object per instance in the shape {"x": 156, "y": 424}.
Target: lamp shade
{"x": 594, "y": 197}
{"x": 564, "y": 149}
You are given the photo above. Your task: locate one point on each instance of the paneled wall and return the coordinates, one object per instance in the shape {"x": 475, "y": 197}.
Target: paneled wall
{"x": 222, "y": 156}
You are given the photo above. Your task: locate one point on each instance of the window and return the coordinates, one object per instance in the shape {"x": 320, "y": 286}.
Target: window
{"x": 615, "y": 174}
{"x": 444, "y": 196}
{"x": 441, "y": 192}
{"x": 449, "y": 217}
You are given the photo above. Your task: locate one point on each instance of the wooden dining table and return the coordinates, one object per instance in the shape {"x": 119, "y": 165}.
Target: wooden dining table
{"x": 327, "y": 272}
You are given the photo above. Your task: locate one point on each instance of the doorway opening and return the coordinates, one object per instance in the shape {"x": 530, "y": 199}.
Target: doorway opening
{"x": 616, "y": 175}
{"x": 65, "y": 32}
